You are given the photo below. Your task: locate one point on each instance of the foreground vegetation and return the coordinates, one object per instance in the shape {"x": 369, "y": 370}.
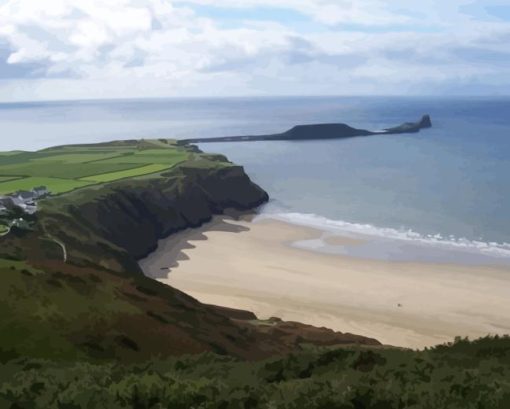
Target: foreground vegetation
{"x": 67, "y": 168}
{"x": 463, "y": 375}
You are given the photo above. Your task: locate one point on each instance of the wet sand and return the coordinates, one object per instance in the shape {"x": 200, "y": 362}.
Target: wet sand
{"x": 253, "y": 266}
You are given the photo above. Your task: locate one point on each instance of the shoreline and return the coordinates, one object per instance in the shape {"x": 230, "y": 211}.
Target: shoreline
{"x": 255, "y": 266}
{"x": 389, "y": 244}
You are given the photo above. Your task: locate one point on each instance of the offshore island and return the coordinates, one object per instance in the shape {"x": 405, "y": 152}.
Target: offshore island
{"x": 76, "y": 222}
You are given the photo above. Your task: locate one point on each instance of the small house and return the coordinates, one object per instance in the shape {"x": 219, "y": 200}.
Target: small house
{"x": 25, "y": 196}
{"x": 40, "y": 191}
{"x": 30, "y": 208}
{"x": 7, "y": 202}
{"x": 17, "y": 201}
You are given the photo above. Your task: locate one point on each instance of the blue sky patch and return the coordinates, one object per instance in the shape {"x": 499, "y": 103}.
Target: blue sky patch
{"x": 236, "y": 17}
{"x": 500, "y": 11}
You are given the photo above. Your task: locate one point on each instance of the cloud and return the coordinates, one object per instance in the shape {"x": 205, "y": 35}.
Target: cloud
{"x": 130, "y": 48}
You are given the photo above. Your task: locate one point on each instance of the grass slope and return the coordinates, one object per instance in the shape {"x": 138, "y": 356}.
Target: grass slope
{"x": 55, "y": 185}
{"x": 123, "y": 174}
{"x": 7, "y": 178}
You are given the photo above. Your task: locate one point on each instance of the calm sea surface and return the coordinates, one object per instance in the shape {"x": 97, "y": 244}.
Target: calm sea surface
{"x": 439, "y": 195}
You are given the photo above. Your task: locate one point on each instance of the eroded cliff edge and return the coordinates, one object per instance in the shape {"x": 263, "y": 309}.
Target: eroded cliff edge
{"x": 74, "y": 288}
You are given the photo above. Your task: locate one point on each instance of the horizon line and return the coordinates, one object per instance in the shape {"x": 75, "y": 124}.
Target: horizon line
{"x": 254, "y": 96}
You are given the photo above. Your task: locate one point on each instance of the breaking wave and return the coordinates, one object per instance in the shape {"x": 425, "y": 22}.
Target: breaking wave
{"x": 339, "y": 226}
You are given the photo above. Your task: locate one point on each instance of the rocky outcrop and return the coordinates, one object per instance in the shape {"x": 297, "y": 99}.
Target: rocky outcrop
{"x": 425, "y": 122}
{"x": 411, "y": 127}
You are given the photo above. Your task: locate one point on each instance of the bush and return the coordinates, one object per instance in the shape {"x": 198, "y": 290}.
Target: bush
{"x": 463, "y": 375}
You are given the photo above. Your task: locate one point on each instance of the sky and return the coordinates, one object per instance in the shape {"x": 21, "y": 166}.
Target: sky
{"x": 81, "y": 49}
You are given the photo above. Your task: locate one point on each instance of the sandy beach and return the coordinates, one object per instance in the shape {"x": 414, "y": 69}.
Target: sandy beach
{"x": 254, "y": 266}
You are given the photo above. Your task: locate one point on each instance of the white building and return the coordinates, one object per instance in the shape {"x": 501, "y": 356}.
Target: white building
{"x": 24, "y": 199}
{"x": 7, "y": 202}
{"x": 25, "y": 196}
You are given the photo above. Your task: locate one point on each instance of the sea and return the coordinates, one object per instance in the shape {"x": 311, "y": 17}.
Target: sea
{"x": 440, "y": 196}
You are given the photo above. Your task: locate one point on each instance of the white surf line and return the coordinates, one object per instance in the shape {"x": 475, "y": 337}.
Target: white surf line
{"x": 501, "y": 250}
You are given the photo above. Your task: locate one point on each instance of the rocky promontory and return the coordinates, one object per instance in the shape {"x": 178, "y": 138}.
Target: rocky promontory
{"x": 318, "y": 132}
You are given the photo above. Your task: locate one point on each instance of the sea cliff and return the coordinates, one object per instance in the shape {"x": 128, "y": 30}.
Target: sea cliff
{"x": 72, "y": 287}
{"x": 119, "y": 223}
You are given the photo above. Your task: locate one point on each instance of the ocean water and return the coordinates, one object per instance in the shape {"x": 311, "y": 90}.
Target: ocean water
{"x": 441, "y": 195}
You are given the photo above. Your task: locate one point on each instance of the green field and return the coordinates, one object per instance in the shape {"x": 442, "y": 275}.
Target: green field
{"x": 7, "y": 178}
{"x": 109, "y": 177}
{"x": 168, "y": 156}
{"x": 79, "y": 157}
{"x": 10, "y": 153}
{"x": 3, "y": 229}
{"x": 67, "y": 168}
{"x": 54, "y": 185}
{"x": 58, "y": 169}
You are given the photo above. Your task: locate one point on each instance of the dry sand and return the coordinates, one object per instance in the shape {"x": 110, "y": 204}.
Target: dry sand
{"x": 252, "y": 266}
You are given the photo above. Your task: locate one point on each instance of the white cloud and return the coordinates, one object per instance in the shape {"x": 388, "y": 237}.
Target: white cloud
{"x": 116, "y": 48}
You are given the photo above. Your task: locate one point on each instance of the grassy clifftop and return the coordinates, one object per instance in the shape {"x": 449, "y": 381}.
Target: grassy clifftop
{"x": 66, "y": 168}
{"x": 120, "y": 214}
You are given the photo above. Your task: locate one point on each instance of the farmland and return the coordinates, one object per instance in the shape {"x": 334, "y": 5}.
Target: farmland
{"x": 7, "y": 178}
{"x": 55, "y": 185}
{"x": 123, "y": 174}
{"x": 67, "y": 168}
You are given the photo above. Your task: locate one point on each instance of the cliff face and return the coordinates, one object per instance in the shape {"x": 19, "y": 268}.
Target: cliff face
{"x": 122, "y": 222}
